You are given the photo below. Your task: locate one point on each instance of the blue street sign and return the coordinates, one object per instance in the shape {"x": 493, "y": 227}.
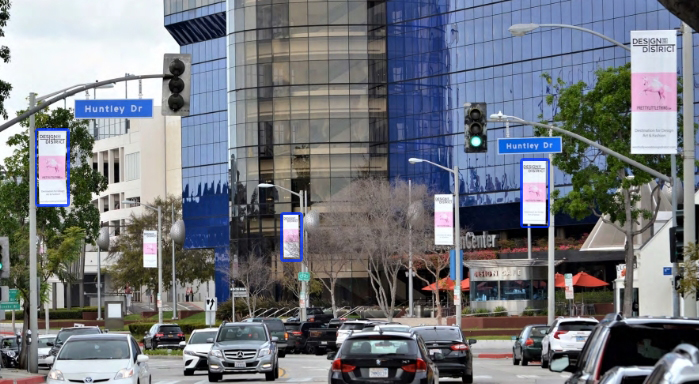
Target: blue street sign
{"x": 667, "y": 271}
{"x": 524, "y": 145}
{"x": 453, "y": 264}
{"x": 113, "y": 109}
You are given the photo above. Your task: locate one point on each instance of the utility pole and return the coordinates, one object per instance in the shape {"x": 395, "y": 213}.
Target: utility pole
{"x": 690, "y": 302}
{"x": 33, "y": 355}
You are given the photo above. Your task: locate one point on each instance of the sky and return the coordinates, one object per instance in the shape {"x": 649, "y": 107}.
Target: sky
{"x": 56, "y": 44}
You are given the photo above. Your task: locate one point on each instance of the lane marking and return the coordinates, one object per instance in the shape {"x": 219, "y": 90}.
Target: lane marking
{"x": 527, "y": 376}
{"x": 481, "y": 377}
{"x": 282, "y": 372}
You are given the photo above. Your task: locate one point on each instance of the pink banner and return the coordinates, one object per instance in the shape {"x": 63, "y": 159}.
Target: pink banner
{"x": 291, "y": 235}
{"x": 534, "y": 192}
{"x": 654, "y": 92}
{"x": 444, "y": 219}
{"x": 52, "y": 167}
{"x": 150, "y": 249}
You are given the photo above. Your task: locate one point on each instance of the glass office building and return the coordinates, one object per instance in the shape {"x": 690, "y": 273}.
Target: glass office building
{"x": 309, "y": 94}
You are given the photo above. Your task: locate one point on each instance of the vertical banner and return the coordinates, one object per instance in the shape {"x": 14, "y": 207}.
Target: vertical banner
{"x": 533, "y": 193}
{"x": 291, "y": 244}
{"x": 53, "y": 167}
{"x": 150, "y": 249}
{"x": 443, "y": 219}
{"x": 654, "y": 92}
{"x": 570, "y": 293}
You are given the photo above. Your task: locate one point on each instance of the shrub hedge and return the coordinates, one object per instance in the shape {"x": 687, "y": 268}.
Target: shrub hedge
{"x": 139, "y": 329}
{"x": 55, "y": 314}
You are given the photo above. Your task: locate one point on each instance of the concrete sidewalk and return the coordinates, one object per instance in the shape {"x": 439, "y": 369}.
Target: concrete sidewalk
{"x": 18, "y": 376}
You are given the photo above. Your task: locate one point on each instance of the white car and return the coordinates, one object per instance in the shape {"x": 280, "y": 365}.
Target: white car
{"x": 392, "y": 328}
{"x": 349, "y": 327}
{"x": 196, "y": 350}
{"x": 566, "y": 334}
{"x": 100, "y": 358}
{"x": 44, "y": 349}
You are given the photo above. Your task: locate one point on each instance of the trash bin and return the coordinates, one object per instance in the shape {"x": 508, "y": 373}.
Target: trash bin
{"x": 418, "y": 311}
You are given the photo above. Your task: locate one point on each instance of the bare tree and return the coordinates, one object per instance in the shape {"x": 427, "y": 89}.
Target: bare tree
{"x": 255, "y": 274}
{"x": 327, "y": 263}
{"x": 372, "y": 215}
{"x": 434, "y": 263}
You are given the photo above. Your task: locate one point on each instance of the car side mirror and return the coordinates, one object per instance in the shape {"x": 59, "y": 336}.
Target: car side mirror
{"x": 561, "y": 364}
{"x": 438, "y": 356}
{"x": 275, "y": 339}
{"x": 183, "y": 344}
{"x": 49, "y": 343}
{"x": 331, "y": 355}
{"x": 146, "y": 333}
{"x": 515, "y": 338}
{"x": 106, "y": 330}
{"x": 210, "y": 340}
{"x": 142, "y": 359}
{"x": 472, "y": 341}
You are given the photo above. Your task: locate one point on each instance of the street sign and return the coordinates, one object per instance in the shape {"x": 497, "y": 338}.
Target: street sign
{"x": 239, "y": 292}
{"x": 211, "y": 304}
{"x": 14, "y": 293}
{"x": 525, "y": 145}
{"x": 114, "y": 109}
{"x": 304, "y": 276}
{"x": 667, "y": 271}
{"x": 9, "y": 306}
{"x": 568, "y": 278}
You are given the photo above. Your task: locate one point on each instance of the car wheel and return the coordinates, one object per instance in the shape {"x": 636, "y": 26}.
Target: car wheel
{"x": 282, "y": 353}
{"x": 515, "y": 360}
{"x": 276, "y": 371}
{"x": 270, "y": 376}
{"x": 153, "y": 345}
{"x": 188, "y": 372}
{"x": 544, "y": 363}
{"x": 310, "y": 350}
{"x": 214, "y": 377}
{"x": 525, "y": 362}
{"x": 467, "y": 379}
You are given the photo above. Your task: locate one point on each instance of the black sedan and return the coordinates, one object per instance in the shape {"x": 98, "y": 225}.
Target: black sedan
{"x": 395, "y": 357}
{"x": 10, "y": 352}
{"x": 527, "y": 345}
{"x": 449, "y": 342}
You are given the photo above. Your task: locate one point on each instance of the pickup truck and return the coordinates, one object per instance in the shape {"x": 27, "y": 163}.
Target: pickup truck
{"x": 298, "y": 334}
{"x": 321, "y": 340}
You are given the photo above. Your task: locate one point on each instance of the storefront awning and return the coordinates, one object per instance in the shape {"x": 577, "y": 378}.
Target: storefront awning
{"x": 497, "y": 263}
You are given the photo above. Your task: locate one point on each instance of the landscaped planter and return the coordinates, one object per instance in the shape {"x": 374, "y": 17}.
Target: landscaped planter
{"x": 89, "y": 315}
{"x": 513, "y": 322}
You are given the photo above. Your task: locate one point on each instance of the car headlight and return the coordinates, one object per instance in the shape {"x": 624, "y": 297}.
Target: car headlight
{"x": 216, "y": 353}
{"x": 56, "y": 375}
{"x": 188, "y": 352}
{"x": 124, "y": 373}
{"x": 264, "y": 352}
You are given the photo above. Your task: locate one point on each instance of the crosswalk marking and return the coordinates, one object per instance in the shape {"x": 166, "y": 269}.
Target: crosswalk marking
{"x": 482, "y": 377}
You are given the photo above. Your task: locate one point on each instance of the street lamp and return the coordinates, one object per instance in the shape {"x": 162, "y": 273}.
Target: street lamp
{"x": 519, "y": 30}
{"x": 160, "y": 254}
{"x": 457, "y": 234}
{"x": 102, "y": 245}
{"x": 302, "y": 195}
{"x": 177, "y": 232}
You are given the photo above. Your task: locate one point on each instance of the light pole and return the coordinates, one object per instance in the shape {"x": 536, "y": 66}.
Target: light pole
{"x": 414, "y": 212}
{"x": 102, "y": 245}
{"x": 457, "y": 235}
{"x": 304, "y": 268}
{"x": 688, "y": 150}
{"x": 160, "y": 254}
{"x": 177, "y": 233}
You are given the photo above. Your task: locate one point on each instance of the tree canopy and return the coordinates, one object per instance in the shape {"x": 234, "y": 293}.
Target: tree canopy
{"x": 5, "y": 87}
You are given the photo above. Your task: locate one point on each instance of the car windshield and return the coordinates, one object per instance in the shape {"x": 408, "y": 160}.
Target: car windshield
{"x": 577, "y": 326}
{"x": 94, "y": 349}
{"x": 200, "y": 337}
{"x": 314, "y": 311}
{"x": 275, "y": 325}
{"x": 10, "y": 342}
{"x": 352, "y": 326}
{"x": 292, "y": 327}
{"x": 242, "y": 333}
{"x": 538, "y": 331}
{"x": 66, "y": 333}
{"x": 381, "y": 346}
{"x": 645, "y": 345}
{"x": 43, "y": 341}
{"x": 168, "y": 329}
{"x": 440, "y": 334}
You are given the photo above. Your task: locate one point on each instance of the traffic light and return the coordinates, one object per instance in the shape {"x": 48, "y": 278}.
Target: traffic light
{"x": 475, "y": 128}
{"x": 677, "y": 239}
{"x": 177, "y": 89}
{"x": 4, "y": 258}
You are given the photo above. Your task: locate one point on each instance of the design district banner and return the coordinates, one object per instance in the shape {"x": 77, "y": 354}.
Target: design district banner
{"x": 53, "y": 167}
{"x": 443, "y": 219}
{"x": 150, "y": 249}
{"x": 654, "y": 92}
{"x": 292, "y": 243}
{"x": 533, "y": 193}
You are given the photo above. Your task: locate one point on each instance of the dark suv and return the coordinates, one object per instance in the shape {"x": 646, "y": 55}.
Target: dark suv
{"x": 276, "y": 329}
{"x": 65, "y": 333}
{"x": 456, "y": 351}
{"x": 163, "y": 336}
{"x": 621, "y": 342}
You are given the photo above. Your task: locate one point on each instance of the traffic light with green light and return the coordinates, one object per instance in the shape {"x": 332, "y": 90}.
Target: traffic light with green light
{"x": 475, "y": 128}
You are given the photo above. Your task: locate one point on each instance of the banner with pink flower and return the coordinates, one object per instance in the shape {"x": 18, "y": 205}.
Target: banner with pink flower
{"x": 150, "y": 249}
{"x": 53, "y": 168}
{"x": 443, "y": 219}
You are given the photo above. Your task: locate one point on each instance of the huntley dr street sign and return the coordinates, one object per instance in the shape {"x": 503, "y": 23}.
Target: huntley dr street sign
{"x": 113, "y": 109}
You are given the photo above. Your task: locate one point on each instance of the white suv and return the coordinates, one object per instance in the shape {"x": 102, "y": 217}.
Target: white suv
{"x": 566, "y": 334}
{"x": 349, "y": 327}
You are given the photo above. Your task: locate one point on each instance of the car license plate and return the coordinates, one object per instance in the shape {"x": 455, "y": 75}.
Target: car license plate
{"x": 580, "y": 338}
{"x": 324, "y": 343}
{"x": 240, "y": 365}
{"x": 433, "y": 351}
{"x": 378, "y": 372}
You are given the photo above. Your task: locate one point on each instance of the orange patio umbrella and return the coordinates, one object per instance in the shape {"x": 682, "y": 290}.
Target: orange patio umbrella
{"x": 581, "y": 279}
{"x": 447, "y": 284}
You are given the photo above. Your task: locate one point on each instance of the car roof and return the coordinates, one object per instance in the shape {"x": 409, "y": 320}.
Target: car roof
{"x": 577, "y": 318}
{"x": 632, "y": 370}
{"x": 368, "y": 335}
{"x": 535, "y": 325}
{"x": 101, "y": 336}
{"x": 618, "y": 320}
{"x": 204, "y": 330}
{"x": 53, "y": 335}
{"x": 71, "y": 328}
{"x": 173, "y": 324}
{"x": 358, "y": 321}
{"x": 435, "y": 327}
{"x": 241, "y": 324}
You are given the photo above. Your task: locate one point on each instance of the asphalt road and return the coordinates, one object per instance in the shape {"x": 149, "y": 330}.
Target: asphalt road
{"x": 313, "y": 369}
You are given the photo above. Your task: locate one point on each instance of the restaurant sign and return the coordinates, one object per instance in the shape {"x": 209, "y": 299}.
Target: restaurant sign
{"x": 470, "y": 241}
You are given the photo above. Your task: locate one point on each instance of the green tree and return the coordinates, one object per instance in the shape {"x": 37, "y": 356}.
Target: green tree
{"x": 607, "y": 189}
{"x": 5, "y": 87}
{"x": 195, "y": 265}
{"x": 52, "y": 223}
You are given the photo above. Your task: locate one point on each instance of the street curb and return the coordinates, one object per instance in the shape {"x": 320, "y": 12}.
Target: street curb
{"x": 494, "y": 356}
{"x": 31, "y": 380}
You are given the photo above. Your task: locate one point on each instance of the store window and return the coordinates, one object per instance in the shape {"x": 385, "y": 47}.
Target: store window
{"x": 516, "y": 290}
{"x": 539, "y": 290}
{"x": 485, "y": 290}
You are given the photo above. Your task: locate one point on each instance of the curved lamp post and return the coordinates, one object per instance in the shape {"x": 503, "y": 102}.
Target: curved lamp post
{"x": 102, "y": 245}
{"x": 177, "y": 235}
{"x": 519, "y": 30}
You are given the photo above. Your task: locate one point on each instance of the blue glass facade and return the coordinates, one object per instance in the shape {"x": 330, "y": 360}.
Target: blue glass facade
{"x": 200, "y": 29}
{"x": 442, "y": 53}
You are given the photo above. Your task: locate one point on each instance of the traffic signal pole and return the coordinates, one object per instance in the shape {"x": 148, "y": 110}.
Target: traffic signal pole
{"x": 32, "y": 354}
